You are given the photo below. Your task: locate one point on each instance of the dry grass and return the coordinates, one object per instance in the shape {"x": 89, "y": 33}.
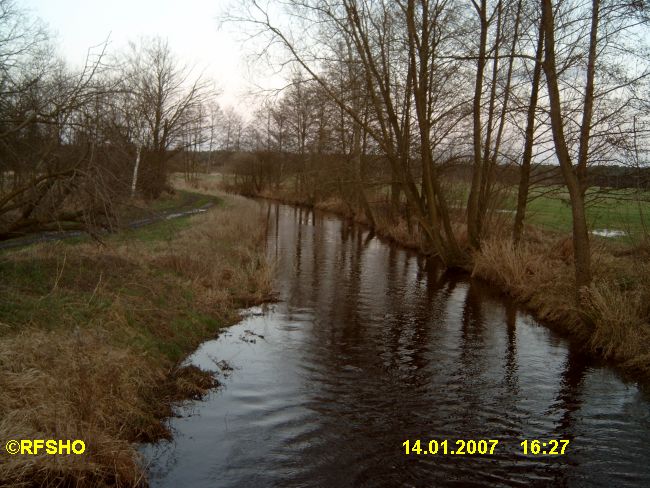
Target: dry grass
{"x": 398, "y": 230}
{"x": 74, "y": 385}
{"x": 614, "y": 320}
{"x": 220, "y": 258}
{"x": 91, "y": 339}
{"x": 534, "y": 276}
{"x": 335, "y": 205}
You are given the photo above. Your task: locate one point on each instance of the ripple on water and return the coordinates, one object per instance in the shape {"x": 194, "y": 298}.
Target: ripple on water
{"x": 371, "y": 346}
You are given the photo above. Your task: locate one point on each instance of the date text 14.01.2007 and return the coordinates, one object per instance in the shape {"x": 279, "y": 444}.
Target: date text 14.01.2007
{"x": 461, "y": 447}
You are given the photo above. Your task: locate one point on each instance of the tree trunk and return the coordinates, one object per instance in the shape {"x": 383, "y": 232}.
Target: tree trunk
{"x": 524, "y": 178}
{"x": 358, "y": 183}
{"x": 135, "y": 172}
{"x": 581, "y": 248}
{"x": 473, "y": 229}
{"x": 483, "y": 197}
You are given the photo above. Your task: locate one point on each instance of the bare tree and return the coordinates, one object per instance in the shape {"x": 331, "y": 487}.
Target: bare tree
{"x": 231, "y": 130}
{"x": 49, "y": 135}
{"x": 165, "y": 100}
{"x": 586, "y": 114}
{"x": 377, "y": 34}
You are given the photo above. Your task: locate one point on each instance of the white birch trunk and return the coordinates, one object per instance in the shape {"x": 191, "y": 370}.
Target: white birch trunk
{"x": 135, "y": 172}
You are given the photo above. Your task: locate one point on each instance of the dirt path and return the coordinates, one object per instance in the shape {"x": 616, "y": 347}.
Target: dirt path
{"x": 168, "y": 214}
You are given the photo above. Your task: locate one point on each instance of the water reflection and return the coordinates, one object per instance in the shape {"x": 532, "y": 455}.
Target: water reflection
{"x": 371, "y": 346}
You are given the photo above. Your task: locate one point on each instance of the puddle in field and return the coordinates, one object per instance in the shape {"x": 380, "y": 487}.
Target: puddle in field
{"x": 608, "y": 233}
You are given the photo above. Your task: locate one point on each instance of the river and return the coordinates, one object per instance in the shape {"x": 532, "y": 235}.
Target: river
{"x": 372, "y": 345}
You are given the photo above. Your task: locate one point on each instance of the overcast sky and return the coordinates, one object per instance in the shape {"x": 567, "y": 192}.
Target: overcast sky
{"x": 190, "y": 26}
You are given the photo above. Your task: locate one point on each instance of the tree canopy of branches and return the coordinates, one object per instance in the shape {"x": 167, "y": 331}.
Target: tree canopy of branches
{"x": 485, "y": 82}
{"x": 165, "y": 104}
{"x": 69, "y": 140}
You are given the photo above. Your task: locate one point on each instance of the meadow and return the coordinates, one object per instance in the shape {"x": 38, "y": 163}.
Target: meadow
{"x": 623, "y": 210}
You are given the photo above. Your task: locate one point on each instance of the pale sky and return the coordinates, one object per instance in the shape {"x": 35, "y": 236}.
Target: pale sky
{"x": 190, "y": 26}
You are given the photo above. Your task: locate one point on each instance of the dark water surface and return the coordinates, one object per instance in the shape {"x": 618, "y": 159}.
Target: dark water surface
{"x": 372, "y": 345}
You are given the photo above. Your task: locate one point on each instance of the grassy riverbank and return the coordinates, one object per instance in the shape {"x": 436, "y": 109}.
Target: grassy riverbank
{"x": 91, "y": 336}
{"x": 615, "y": 320}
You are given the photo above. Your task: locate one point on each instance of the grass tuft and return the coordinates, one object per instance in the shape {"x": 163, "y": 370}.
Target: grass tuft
{"x": 614, "y": 320}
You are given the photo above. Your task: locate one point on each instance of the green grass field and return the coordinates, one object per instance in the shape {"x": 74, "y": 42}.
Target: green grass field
{"x": 624, "y": 210}
{"x": 614, "y": 210}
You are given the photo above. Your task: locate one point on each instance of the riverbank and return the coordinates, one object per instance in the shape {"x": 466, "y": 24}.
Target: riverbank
{"x": 372, "y": 341}
{"x": 615, "y": 321}
{"x": 92, "y": 336}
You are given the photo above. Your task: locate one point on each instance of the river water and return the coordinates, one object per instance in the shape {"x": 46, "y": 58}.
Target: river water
{"x": 372, "y": 345}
